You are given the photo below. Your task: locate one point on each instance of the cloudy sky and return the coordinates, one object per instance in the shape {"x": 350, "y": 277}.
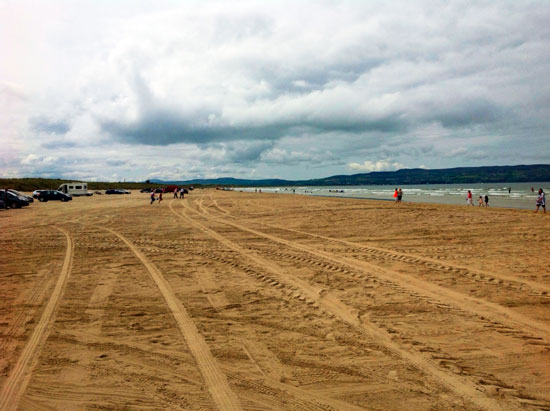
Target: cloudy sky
{"x": 128, "y": 89}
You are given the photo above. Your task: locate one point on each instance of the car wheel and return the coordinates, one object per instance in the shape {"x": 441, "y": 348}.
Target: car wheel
{"x": 15, "y": 205}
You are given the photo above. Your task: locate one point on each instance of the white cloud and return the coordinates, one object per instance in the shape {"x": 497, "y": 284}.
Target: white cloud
{"x": 381, "y": 165}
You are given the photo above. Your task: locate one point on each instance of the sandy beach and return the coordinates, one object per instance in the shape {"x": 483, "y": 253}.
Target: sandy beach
{"x": 229, "y": 300}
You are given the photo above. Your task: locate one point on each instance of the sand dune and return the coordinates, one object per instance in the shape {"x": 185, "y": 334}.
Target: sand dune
{"x": 228, "y": 300}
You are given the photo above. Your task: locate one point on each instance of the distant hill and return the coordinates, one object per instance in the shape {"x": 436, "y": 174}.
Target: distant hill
{"x": 459, "y": 175}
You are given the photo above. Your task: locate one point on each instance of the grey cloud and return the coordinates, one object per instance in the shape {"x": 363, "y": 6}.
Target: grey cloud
{"x": 44, "y": 125}
{"x": 249, "y": 151}
{"x": 115, "y": 163}
{"x": 468, "y": 113}
{"x": 57, "y": 144}
{"x": 164, "y": 127}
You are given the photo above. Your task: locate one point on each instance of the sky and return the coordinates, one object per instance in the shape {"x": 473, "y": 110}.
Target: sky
{"x": 176, "y": 90}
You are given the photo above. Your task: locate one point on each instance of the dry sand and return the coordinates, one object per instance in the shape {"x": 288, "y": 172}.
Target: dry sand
{"x": 227, "y": 300}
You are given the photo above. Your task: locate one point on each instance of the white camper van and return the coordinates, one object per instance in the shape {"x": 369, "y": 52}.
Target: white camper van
{"x": 75, "y": 189}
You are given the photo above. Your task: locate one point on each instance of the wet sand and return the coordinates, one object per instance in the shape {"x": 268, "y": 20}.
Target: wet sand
{"x": 228, "y": 300}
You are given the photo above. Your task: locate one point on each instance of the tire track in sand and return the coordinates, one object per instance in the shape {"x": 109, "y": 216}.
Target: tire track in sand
{"x": 538, "y": 288}
{"x": 223, "y": 396}
{"x": 19, "y": 377}
{"x": 460, "y": 386}
{"x": 473, "y": 305}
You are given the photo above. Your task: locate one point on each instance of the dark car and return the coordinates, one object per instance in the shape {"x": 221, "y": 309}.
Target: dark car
{"x": 117, "y": 191}
{"x": 29, "y": 199}
{"x": 36, "y": 192}
{"x": 12, "y": 200}
{"x": 145, "y": 190}
{"x": 48, "y": 195}
{"x": 2, "y": 204}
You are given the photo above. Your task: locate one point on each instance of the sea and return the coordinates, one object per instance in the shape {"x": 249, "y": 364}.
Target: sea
{"x": 507, "y": 195}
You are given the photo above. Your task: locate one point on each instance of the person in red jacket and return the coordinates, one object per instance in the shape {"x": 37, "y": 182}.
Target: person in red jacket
{"x": 469, "y": 200}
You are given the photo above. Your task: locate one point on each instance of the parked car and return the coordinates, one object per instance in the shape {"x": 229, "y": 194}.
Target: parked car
{"x": 19, "y": 194}
{"x": 48, "y": 195}
{"x": 14, "y": 201}
{"x": 2, "y": 204}
{"x": 98, "y": 193}
{"x": 145, "y": 190}
{"x": 116, "y": 191}
{"x": 36, "y": 192}
{"x": 159, "y": 190}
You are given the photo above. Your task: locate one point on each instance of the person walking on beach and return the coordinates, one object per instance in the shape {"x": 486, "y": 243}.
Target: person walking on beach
{"x": 160, "y": 195}
{"x": 176, "y": 192}
{"x": 182, "y": 191}
{"x": 399, "y": 195}
{"x": 152, "y": 197}
{"x": 480, "y": 202}
{"x": 541, "y": 201}
{"x": 469, "y": 200}
{"x": 395, "y": 194}
{"x": 486, "y": 200}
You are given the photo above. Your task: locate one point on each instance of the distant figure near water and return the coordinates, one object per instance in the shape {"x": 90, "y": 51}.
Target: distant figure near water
{"x": 541, "y": 201}
{"x": 480, "y": 202}
{"x": 469, "y": 199}
{"x": 395, "y": 194}
{"x": 399, "y": 195}
{"x": 486, "y": 200}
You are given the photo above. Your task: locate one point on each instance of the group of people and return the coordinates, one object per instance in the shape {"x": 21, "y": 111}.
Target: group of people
{"x": 482, "y": 201}
{"x": 398, "y": 195}
{"x": 181, "y": 193}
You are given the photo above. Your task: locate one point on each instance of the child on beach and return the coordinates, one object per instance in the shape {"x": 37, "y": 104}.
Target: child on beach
{"x": 541, "y": 201}
{"x": 486, "y": 200}
{"x": 152, "y": 197}
{"x": 480, "y": 202}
